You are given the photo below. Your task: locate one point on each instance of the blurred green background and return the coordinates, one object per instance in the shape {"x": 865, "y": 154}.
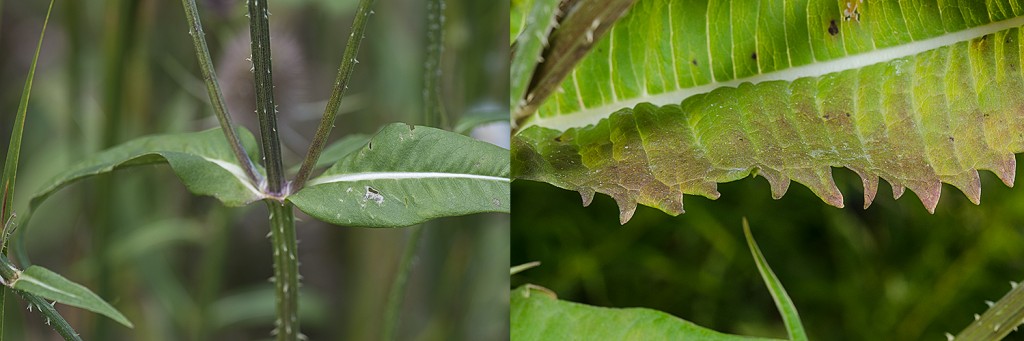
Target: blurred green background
{"x": 186, "y": 268}
{"x": 891, "y": 272}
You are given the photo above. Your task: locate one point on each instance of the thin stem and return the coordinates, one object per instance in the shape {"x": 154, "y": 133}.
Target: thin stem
{"x": 286, "y": 269}
{"x": 9, "y": 273}
{"x": 348, "y": 63}
{"x": 433, "y": 108}
{"x": 397, "y": 294}
{"x": 195, "y": 29}
{"x": 266, "y": 110}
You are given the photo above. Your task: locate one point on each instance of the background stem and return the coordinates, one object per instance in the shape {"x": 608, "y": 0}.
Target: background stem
{"x": 397, "y": 293}
{"x": 348, "y": 63}
{"x": 266, "y": 110}
{"x": 433, "y": 108}
{"x": 286, "y": 269}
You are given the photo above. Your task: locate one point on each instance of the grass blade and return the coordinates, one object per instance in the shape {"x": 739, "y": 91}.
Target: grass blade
{"x": 790, "y": 317}
{"x": 14, "y": 148}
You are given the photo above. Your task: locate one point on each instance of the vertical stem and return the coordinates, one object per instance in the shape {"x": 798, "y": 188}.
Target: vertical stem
{"x": 397, "y": 293}
{"x": 266, "y": 110}
{"x": 348, "y": 63}
{"x": 195, "y": 29}
{"x": 433, "y": 108}
{"x": 286, "y": 269}
{"x": 282, "y": 219}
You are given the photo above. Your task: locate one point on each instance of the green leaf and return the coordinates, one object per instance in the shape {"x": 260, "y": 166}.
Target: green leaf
{"x": 682, "y": 95}
{"x": 52, "y": 286}
{"x": 537, "y": 315}
{"x": 202, "y": 160}
{"x": 406, "y": 175}
{"x": 790, "y": 317}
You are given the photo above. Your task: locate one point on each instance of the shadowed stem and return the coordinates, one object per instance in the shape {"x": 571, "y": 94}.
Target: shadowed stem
{"x": 266, "y": 110}
{"x": 397, "y": 293}
{"x": 348, "y": 63}
{"x": 195, "y": 29}
{"x": 286, "y": 269}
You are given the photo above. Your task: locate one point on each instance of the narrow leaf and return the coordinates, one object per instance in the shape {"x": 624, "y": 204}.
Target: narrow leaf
{"x": 201, "y": 160}
{"x": 14, "y": 148}
{"x": 790, "y": 317}
{"x": 52, "y": 286}
{"x": 536, "y": 315}
{"x": 406, "y": 175}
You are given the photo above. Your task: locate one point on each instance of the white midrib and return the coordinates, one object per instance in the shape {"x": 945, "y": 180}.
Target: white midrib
{"x": 401, "y": 176}
{"x": 592, "y": 116}
{"x": 238, "y": 173}
{"x": 35, "y": 281}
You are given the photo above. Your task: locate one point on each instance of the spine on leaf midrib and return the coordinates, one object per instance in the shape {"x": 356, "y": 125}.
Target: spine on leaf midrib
{"x": 916, "y": 122}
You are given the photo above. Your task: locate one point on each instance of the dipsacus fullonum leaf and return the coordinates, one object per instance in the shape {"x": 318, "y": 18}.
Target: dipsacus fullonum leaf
{"x": 682, "y": 95}
{"x": 202, "y": 160}
{"x": 406, "y": 175}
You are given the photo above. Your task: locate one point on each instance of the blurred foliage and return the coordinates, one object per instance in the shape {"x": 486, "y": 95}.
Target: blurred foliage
{"x": 891, "y": 272}
{"x": 195, "y": 282}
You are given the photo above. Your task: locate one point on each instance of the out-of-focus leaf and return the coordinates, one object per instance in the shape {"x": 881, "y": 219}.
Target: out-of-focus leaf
{"x": 52, "y": 286}
{"x": 537, "y": 315}
{"x": 790, "y": 317}
{"x": 406, "y": 175}
{"x": 481, "y": 114}
{"x": 340, "y": 149}
{"x": 202, "y": 160}
{"x": 256, "y": 307}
